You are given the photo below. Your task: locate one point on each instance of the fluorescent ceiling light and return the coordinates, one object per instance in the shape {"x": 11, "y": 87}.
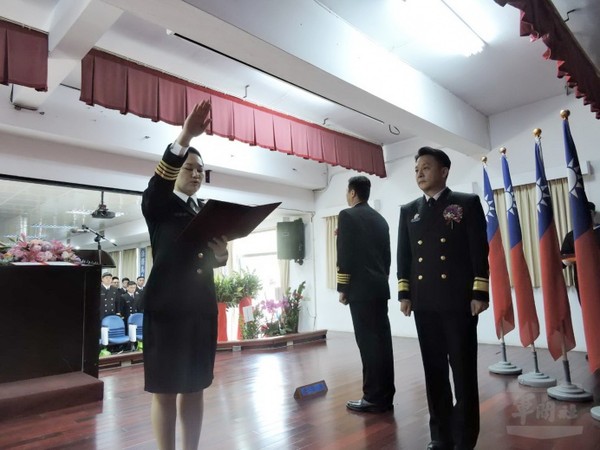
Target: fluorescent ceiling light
{"x": 437, "y": 25}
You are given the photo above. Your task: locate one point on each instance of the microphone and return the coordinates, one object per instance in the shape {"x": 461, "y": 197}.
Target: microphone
{"x": 78, "y": 230}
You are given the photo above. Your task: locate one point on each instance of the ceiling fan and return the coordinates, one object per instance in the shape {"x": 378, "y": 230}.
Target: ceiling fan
{"x": 102, "y": 212}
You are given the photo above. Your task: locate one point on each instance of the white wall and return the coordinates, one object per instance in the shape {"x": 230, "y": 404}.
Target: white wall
{"x": 512, "y": 129}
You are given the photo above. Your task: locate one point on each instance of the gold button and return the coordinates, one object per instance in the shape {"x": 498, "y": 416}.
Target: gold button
{"x": 420, "y": 259}
{"x": 420, "y": 242}
{"x": 443, "y": 258}
{"x": 420, "y": 277}
{"x": 443, "y": 240}
{"x": 443, "y": 276}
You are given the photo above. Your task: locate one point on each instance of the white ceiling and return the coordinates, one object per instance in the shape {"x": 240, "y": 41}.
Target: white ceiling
{"x": 347, "y": 64}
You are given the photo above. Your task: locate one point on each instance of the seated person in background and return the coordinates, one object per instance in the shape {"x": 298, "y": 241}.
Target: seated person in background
{"x": 567, "y": 249}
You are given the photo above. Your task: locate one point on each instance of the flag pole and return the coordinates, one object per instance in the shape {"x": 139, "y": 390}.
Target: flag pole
{"x": 536, "y": 378}
{"x": 504, "y": 367}
{"x": 528, "y": 321}
{"x": 568, "y": 391}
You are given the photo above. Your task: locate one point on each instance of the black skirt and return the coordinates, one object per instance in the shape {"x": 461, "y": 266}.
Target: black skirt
{"x": 179, "y": 352}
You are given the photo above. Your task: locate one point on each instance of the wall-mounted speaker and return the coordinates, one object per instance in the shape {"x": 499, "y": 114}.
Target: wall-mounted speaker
{"x": 290, "y": 240}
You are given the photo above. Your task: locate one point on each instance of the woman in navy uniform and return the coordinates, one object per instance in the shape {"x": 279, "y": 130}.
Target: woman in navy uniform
{"x": 364, "y": 256}
{"x": 443, "y": 277}
{"x": 180, "y": 315}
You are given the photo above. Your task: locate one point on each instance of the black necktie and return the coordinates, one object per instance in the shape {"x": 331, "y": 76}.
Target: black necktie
{"x": 192, "y": 204}
{"x": 431, "y": 201}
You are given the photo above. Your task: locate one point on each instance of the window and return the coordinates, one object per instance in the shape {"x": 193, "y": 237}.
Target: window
{"x": 258, "y": 252}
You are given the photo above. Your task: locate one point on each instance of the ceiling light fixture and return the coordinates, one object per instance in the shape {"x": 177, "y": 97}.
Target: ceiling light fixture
{"x": 42, "y": 226}
{"x": 438, "y": 25}
{"x": 80, "y": 212}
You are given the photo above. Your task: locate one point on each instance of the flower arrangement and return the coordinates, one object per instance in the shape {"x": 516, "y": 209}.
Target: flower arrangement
{"x": 453, "y": 213}
{"x": 281, "y": 317}
{"x": 37, "y": 250}
{"x": 271, "y": 312}
{"x": 290, "y": 305}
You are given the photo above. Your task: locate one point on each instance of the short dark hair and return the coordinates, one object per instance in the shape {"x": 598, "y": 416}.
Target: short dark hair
{"x": 438, "y": 154}
{"x": 195, "y": 152}
{"x": 106, "y": 274}
{"x": 361, "y": 185}
{"x": 141, "y": 276}
{"x": 131, "y": 283}
{"x": 125, "y": 279}
{"x": 115, "y": 278}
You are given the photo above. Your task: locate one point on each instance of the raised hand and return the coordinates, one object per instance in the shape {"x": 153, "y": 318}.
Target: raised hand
{"x": 195, "y": 124}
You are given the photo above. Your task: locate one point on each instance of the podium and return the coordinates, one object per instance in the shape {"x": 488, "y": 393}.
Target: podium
{"x": 50, "y": 321}
{"x": 49, "y": 337}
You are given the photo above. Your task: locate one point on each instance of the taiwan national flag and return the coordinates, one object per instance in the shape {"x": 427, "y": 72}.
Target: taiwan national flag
{"x": 587, "y": 255}
{"x": 529, "y": 327}
{"x": 500, "y": 283}
{"x": 559, "y": 329}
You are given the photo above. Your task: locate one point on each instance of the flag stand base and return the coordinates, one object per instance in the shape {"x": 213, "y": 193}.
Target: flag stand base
{"x": 505, "y": 368}
{"x": 536, "y": 379}
{"x": 595, "y": 412}
{"x": 569, "y": 392}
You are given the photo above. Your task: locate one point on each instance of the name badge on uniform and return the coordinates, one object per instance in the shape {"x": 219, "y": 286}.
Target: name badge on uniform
{"x": 416, "y": 218}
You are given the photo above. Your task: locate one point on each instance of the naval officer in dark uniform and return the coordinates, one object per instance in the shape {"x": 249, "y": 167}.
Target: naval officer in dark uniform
{"x": 108, "y": 296}
{"x": 180, "y": 306}
{"x": 443, "y": 277}
{"x": 363, "y": 252}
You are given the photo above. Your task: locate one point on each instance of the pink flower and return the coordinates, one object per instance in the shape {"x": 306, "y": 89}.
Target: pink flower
{"x": 37, "y": 250}
{"x": 453, "y": 213}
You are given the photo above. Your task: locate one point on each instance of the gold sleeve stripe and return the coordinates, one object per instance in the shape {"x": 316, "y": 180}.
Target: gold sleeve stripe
{"x": 168, "y": 167}
{"x": 167, "y": 172}
{"x": 481, "y": 284}
{"x": 343, "y": 278}
{"x": 403, "y": 285}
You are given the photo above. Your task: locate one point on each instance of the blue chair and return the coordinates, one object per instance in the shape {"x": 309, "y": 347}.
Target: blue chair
{"x": 137, "y": 319}
{"x": 116, "y": 330}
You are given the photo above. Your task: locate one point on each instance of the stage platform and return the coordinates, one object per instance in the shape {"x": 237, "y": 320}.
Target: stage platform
{"x": 288, "y": 340}
{"x": 38, "y": 395}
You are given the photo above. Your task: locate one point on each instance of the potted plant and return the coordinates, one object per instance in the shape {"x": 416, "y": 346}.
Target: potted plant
{"x": 227, "y": 292}
{"x": 249, "y": 284}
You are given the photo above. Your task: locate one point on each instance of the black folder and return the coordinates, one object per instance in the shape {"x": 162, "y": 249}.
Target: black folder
{"x": 219, "y": 218}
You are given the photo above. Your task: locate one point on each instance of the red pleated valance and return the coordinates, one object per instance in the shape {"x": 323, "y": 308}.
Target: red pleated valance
{"x": 540, "y": 19}
{"x": 116, "y": 83}
{"x": 23, "y": 56}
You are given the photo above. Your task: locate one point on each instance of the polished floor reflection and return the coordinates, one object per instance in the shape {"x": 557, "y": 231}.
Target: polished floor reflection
{"x": 251, "y": 406}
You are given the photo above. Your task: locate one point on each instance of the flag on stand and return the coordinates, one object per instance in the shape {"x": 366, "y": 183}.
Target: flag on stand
{"x": 559, "y": 328}
{"x": 504, "y": 317}
{"x": 529, "y": 327}
{"x": 587, "y": 254}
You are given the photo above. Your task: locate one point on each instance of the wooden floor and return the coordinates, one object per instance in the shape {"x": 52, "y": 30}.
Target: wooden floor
{"x": 250, "y": 406}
